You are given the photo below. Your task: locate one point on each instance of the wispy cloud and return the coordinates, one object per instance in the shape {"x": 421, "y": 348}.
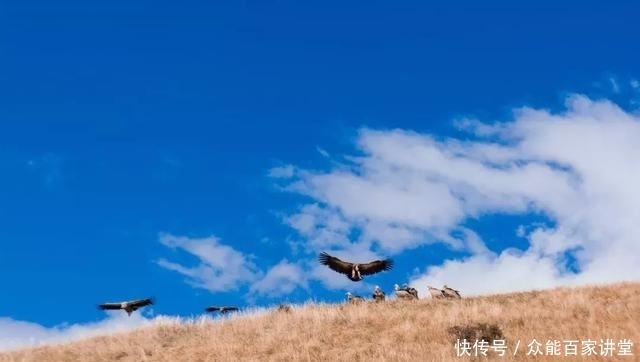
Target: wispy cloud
{"x": 635, "y": 88}
{"x": 405, "y": 189}
{"x": 281, "y": 171}
{"x": 615, "y": 87}
{"x": 219, "y": 268}
{"x": 323, "y": 152}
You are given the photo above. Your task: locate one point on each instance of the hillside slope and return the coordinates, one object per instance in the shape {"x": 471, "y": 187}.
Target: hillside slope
{"x": 423, "y": 330}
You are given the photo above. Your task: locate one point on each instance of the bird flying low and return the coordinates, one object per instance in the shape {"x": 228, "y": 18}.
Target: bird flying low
{"x": 128, "y": 306}
{"x": 222, "y": 310}
{"x": 355, "y": 271}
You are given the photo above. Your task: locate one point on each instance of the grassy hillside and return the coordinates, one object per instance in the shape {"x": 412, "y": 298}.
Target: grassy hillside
{"x": 424, "y": 330}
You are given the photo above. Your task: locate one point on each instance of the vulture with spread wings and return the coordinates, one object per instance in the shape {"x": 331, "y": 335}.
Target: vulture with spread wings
{"x": 222, "y": 310}
{"x": 128, "y": 306}
{"x": 355, "y": 271}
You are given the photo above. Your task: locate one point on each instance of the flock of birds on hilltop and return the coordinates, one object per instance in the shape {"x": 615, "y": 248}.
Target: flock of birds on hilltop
{"x": 353, "y": 271}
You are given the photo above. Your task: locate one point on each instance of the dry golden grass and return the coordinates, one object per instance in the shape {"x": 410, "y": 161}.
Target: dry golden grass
{"x": 390, "y": 331}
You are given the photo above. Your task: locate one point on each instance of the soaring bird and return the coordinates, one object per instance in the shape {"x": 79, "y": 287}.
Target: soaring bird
{"x": 355, "y": 271}
{"x": 405, "y": 292}
{"x": 436, "y": 293}
{"x": 222, "y": 310}
{"x": 378, "y": 294}
{"x": 128, "y": 306}
{"x": 354, "y": 298}
{"x": 451, "y": 293}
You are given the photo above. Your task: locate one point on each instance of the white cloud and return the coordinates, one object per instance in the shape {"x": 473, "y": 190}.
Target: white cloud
{"x": 220, "y": 267}
{"x": 578, "y": 167}
{"x": 283, "y": 278}
{"x": 15, "y": 334}
{"x": 320, "y": 227}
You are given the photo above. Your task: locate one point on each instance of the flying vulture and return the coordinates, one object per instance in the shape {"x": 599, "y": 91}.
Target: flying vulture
{"x": 405, "y": 292}
{"x": 378, "y": 294}
{"x": 436, "y": 293}
{"x": 355, "y": 271}
{"x": 222, "y": 310}
{"x": 128, "y": 306}
{"x": 354, "y": 298}
{"x": 451, "y": 293}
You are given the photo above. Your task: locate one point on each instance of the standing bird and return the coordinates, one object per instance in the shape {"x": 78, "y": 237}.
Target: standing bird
{"x": 355, "y": 271}
{"x": 378, "y": 294}
{"x": 451, "y": 293}
{"x": 436, "y": 293}
{"x": 354, "y": 299}
{"x": 405, "y": 292}
{"x": 222, "y": 310}
{"x": 128, "y": 306}
{"x": 411, "y": 290}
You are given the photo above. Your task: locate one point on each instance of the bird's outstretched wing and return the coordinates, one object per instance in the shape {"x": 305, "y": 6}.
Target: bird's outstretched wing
{"x": 224, "y": 309}
{"x": 110, "y": 306}
{"x": 336, "y": 264}
{"x": 376, "y": 266}
{"x": 141, "y": 302}
{"x": 228, "y": 309}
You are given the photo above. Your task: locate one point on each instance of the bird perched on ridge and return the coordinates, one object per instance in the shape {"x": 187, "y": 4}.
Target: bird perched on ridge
{"x": 436, "y": 293}
{"x": 355, "y": 271}
{"x": 378, "y": 294}
{"x": 411, "y": 290}
{"x": 129, "y": 306}
{"x": 222, "y": 310}
{"x": 451, "y": 293}
{"x": 354, "y": 298}
{"x": 405, "y": 292}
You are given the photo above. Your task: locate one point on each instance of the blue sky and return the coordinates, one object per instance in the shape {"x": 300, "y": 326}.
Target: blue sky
{"x": 133, "y": 130}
